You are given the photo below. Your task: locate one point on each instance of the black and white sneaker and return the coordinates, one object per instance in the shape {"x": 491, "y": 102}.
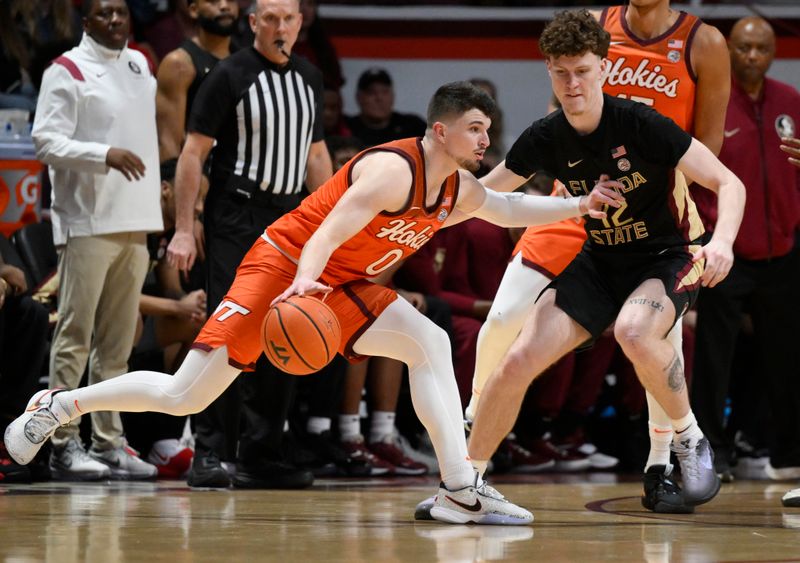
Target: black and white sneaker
{"x": 662, "y": 494}
{"x": 700, "y": 480}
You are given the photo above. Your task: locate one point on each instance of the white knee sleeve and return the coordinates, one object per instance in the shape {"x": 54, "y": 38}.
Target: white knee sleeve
{"x": 403, "y": 333}
{"x": 515, "y": 298}
{"x": 202, "y": 377}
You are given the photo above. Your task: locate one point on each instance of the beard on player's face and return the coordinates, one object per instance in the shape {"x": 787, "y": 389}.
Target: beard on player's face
{"x": 469, "y": 164}
{"x": 223, "y": 25}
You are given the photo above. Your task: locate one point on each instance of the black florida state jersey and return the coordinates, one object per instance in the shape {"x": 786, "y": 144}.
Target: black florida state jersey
{"x": 634, "y": 145}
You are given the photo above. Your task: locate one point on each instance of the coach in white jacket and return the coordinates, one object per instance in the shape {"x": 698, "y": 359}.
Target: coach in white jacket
{"x": 95, "y": 128}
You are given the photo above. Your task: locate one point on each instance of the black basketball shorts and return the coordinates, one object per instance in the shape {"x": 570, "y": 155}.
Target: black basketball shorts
{"x": 595, "y": 286}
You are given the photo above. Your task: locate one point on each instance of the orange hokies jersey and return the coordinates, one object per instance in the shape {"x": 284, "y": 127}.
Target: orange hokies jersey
{"x": 389, "y": 237}
{"x": 656, "y": 71}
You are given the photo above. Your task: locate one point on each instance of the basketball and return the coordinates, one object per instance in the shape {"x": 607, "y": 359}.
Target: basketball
{"x": 300, "y": 335}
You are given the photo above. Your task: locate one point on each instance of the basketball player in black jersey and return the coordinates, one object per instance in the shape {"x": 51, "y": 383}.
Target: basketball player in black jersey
{"x": 641, "y": 267}
{"x": 182, "y": 70}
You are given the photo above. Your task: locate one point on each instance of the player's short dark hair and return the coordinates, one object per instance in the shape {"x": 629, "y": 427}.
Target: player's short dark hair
{"x": 457, "y": 98}
{"x": 572, "y": 33}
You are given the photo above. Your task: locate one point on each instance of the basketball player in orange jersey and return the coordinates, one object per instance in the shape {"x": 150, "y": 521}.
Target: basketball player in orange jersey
{"x": 382, "y": 206}
{"x": 678, "y": 65}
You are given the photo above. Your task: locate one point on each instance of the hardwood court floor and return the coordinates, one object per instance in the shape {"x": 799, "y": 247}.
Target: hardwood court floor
{"x": 586, "y": 518}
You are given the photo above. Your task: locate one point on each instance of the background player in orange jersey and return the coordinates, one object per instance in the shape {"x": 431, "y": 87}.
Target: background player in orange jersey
{"x": 615, "y": 275}
{"x": 383, "y": 205}
{"x": 673, "y": 62}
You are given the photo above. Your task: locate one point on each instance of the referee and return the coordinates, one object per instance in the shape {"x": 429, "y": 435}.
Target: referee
{"x": 263, "y": 106}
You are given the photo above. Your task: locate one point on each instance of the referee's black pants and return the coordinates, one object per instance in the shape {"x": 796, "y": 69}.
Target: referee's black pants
{"x": 259, "y": 400}
{"x": 768, "y": 290}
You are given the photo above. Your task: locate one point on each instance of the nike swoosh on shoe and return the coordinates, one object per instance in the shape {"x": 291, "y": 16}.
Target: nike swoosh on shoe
{"x": 472, "y": 508}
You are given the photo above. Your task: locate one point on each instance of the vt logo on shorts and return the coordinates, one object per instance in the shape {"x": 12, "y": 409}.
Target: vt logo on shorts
{"x": 232, "y": 309}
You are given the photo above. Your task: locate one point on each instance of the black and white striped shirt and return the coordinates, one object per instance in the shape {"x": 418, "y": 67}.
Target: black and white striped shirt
{"x": 264, "y": 118}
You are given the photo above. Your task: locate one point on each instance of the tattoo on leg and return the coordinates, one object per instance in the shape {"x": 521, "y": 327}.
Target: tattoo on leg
{"x": 675, "y": 378}
{"x": 643, "y": 301}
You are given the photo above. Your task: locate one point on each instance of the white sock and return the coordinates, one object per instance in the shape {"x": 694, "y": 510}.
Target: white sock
{"x": 349, "y": 427}
{"x": 660, "y": 439}
{"x": 480, "y": 466}
{"x": 382, "y": 425}
{"x": 687, "y": 428}
{"x": 318, "y": 424}
{"x": 660, "y": 430}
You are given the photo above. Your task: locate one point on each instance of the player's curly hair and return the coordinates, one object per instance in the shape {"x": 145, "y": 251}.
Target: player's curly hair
{"x": 573, "y": 33}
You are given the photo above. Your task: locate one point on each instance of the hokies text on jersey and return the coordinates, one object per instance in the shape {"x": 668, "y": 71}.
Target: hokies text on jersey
{"x": 643, "y": 76}
{"x": 402, "y": 232}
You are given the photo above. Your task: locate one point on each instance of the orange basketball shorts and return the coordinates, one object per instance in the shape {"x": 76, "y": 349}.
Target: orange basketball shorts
{"x": 550, "y": 248}
{"x": 263, "y": 275}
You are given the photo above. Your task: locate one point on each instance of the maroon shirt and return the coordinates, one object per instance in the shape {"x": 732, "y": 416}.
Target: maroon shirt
{"x": 751, "y": 149}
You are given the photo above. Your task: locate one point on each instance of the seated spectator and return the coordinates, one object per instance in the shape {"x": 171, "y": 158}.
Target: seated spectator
{"x": 332, "y": 116}
{"x": 343, "y": 149}
{"x": 377, "y": 121}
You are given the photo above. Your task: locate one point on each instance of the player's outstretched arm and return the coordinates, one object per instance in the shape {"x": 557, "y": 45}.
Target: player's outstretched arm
{"x": 703, "y": 167}
{"x": 520, "y": 210}
{"x": 501, "y": 179}
{"x": 381, "y": 181}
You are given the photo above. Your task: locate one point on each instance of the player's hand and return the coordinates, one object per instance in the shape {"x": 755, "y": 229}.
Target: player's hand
{"x": 415, "y": 298}
{"x": 562, "y": 191}
{"x": 302, "y": 286}
{"x": 604, "y": 194}
{"x": 719, "y": 260}
{"x": 193, "y": 306}
{"x": 130, "y": 165}
{"x": 791, "y": 146}
{"x": 15, "y": 278}
{"x": 182, "y": 251}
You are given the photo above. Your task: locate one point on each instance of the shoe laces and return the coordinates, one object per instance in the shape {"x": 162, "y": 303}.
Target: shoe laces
{"x": 128, "y": 450}
{"x": 77, "y": 450}
{"x": 689, "y": 457}
{"x": 41, "y": 424}
{"x": 488, "y": 491}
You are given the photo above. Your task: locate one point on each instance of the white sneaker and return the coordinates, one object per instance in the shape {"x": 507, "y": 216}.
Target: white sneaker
{"x": 479, "y": 504}
{"x": 792, "y": 498}
{"x": 124, "y": 463}
{"x": 72, "y": 463}
{"x": 598, "y": 459}
{"x": 26, "y": 435}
